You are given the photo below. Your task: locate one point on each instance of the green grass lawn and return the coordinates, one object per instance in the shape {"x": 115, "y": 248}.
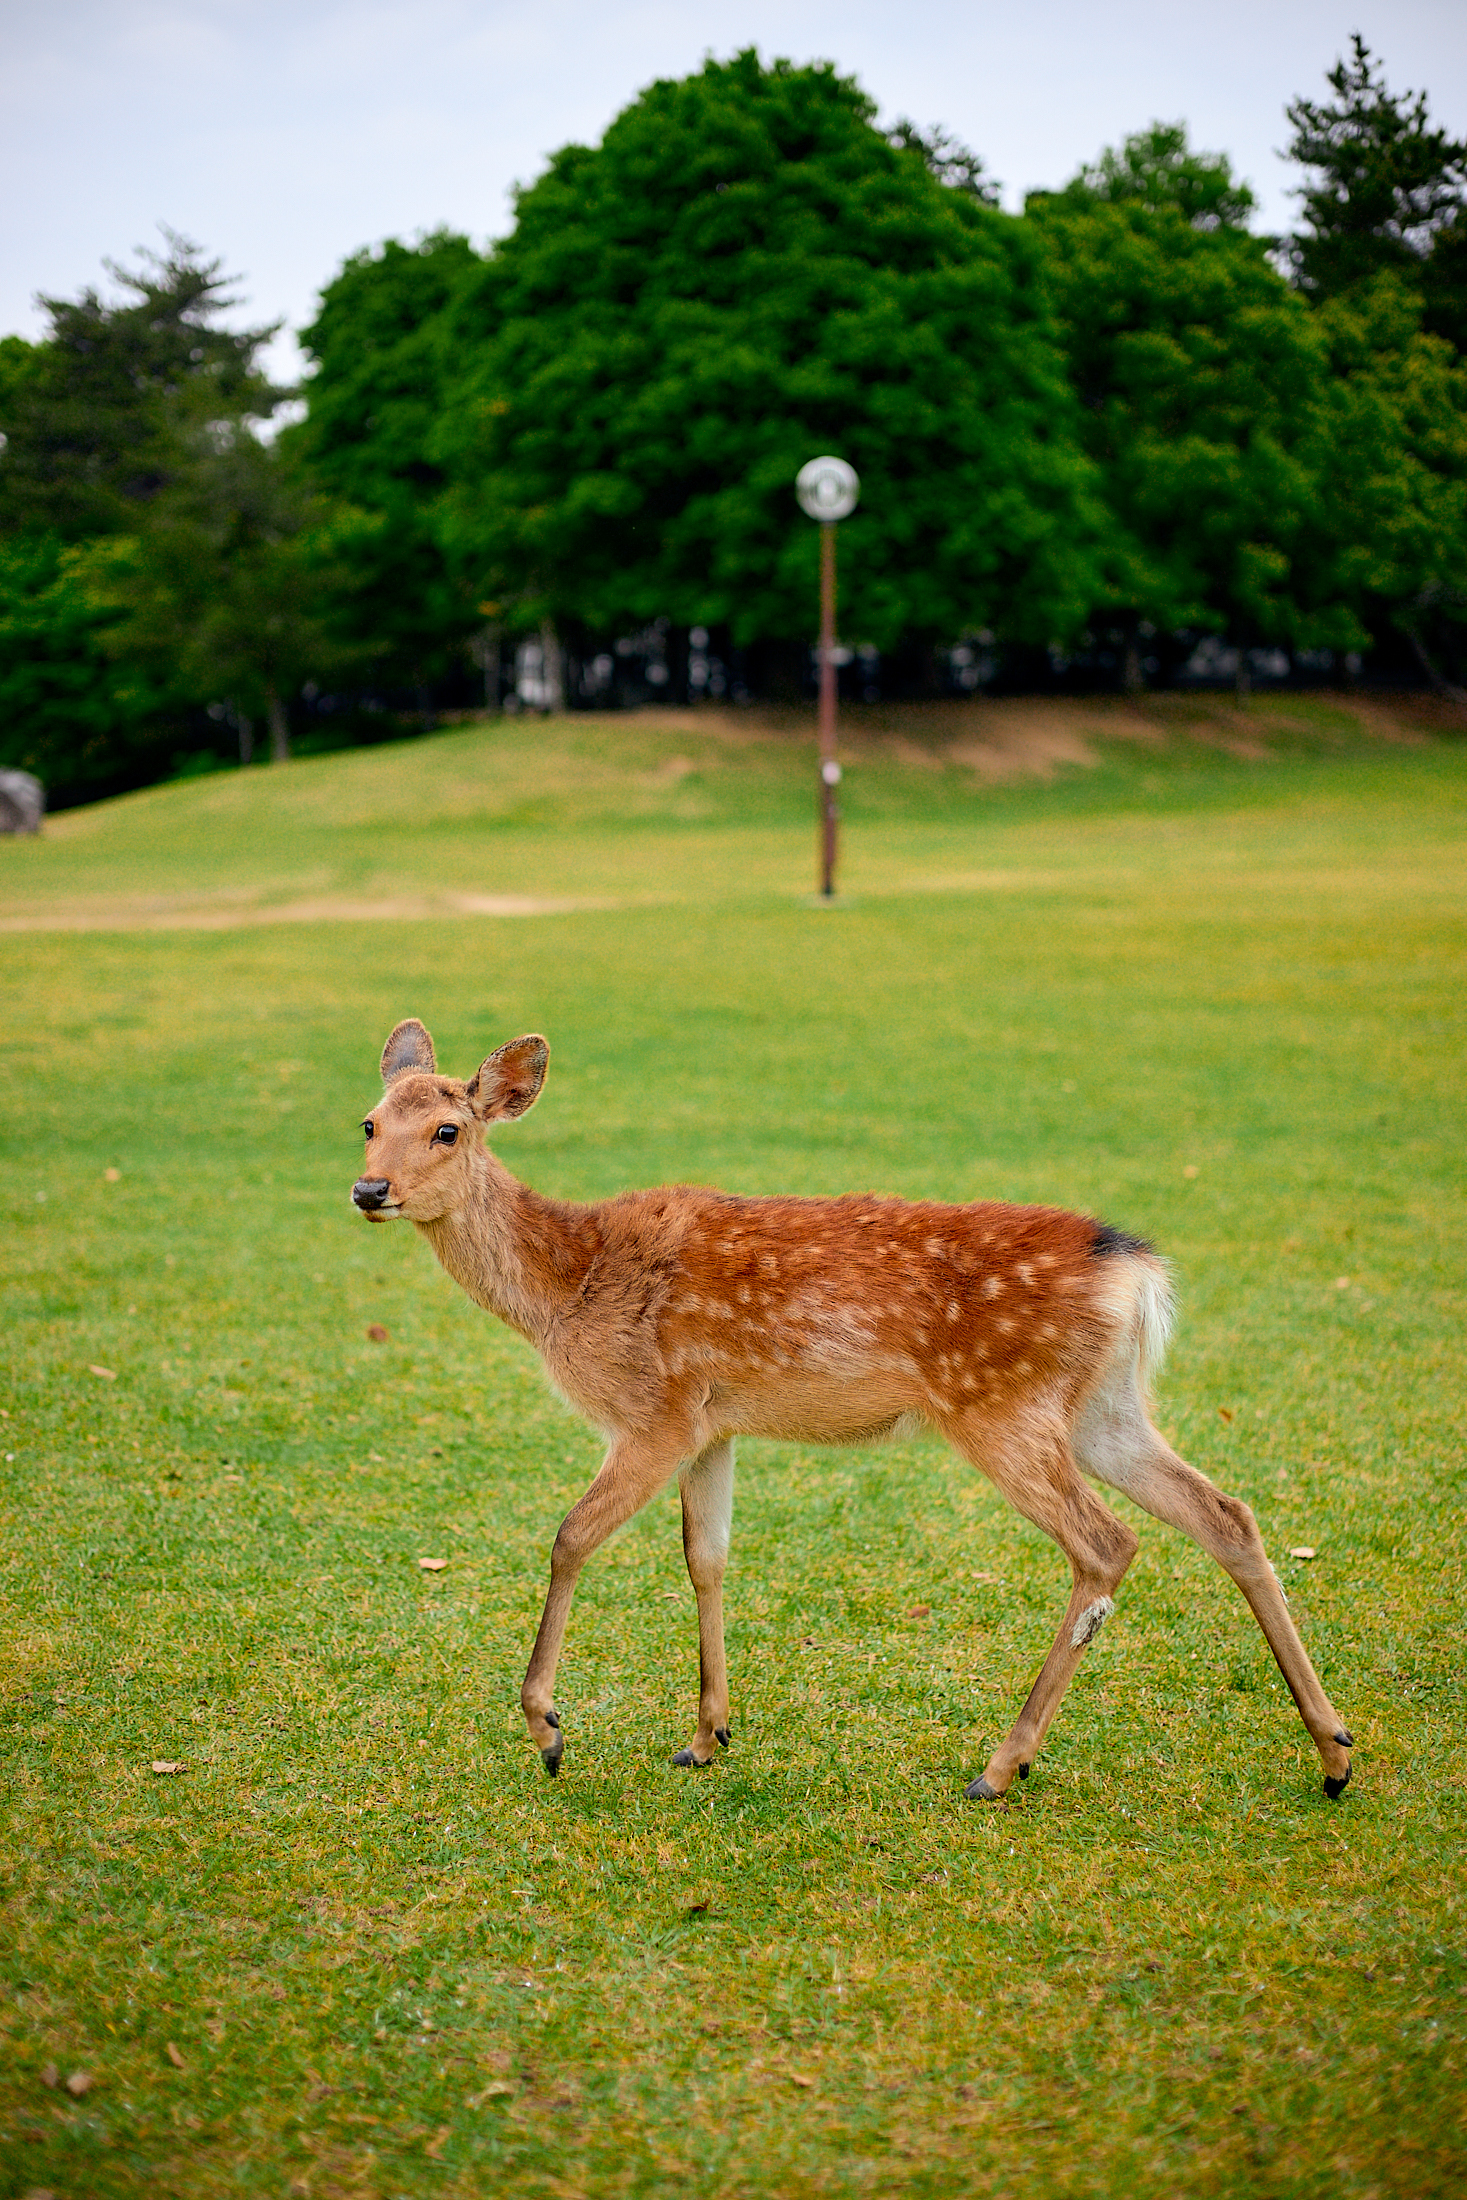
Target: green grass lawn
{"x": 1208, "y": 984}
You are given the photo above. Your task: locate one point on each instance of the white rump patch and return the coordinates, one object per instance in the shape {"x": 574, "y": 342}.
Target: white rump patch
{"x": 1090, "y": 1622}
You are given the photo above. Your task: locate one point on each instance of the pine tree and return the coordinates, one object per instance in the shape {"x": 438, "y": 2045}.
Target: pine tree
{"x": 1388, "y": 195}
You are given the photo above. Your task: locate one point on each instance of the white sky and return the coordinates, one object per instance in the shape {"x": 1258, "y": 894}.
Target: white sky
{"x": 286, "y": 133}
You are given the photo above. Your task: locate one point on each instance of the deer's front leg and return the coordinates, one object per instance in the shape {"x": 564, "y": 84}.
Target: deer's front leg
{"x": 630, "y": 1473}
{"x": 707, "y": 1488}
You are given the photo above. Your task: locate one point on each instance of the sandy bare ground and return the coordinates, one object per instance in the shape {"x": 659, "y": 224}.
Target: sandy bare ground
{"x": 323, "y": 908}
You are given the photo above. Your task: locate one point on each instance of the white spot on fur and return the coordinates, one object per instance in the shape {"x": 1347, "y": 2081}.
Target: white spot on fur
{"x": 992, "y": 1287}
{"x": 1090, "y": 1622}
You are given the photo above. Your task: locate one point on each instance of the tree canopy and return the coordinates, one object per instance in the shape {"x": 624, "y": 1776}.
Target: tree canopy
{"x": 86, "y": 412}
{"x": 380, "y": 375}
{"x": 1385, "y": 196}
{"x": 1199, "y": 374}
{"x": 747, "y": 271}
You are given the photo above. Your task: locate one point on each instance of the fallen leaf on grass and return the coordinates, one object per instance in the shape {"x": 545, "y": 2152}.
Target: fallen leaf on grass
{"x": 920, "y": 1611}
{"x": 376, "y": 1334}
{"x": 108, "y": 1374}
{"x": 168, "y": 1764}
{"x": 432, "y": 1565}
{"x": 500, "y": 2090}
{"x": 80, "y": 2082}
{"x": 1225, "y": 1413}
{"x": 173, "y": 2055}
{"x": 1303, "y": 1550}
{"x": 796, "y": 2079}
{"x": 436, "y": 2143}
{"x": 113, "y": 1176}
{"x": 1342, "y": 1283}
{"x": 50, "y": 2075}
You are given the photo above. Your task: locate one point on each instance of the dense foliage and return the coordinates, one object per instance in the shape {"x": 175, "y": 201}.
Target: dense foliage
{"x": 1388, "y": 195}
{"x": 382, "y": 375}
{"x": 1112, "y": 425}
{"x": 1201, "y": 380}
{"x": 746, "y": 272}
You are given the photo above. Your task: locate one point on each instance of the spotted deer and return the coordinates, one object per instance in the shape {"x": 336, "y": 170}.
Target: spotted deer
{"x": 676, "y": 1320}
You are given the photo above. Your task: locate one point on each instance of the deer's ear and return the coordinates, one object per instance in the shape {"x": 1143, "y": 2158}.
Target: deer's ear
{"x": 509, "y": 1081}
{"x": 409, "y": 1048}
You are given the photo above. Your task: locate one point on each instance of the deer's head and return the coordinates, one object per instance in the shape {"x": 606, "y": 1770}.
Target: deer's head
{"x": 421, "y": 1134}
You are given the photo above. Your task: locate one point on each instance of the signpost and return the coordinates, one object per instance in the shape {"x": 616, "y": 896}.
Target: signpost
{"x": 827, "y": 489}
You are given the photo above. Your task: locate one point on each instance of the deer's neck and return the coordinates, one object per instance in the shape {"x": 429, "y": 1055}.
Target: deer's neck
{"x": 521, "y": 1256}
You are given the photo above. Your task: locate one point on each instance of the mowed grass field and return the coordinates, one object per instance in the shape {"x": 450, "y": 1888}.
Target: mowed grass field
{"x": 1197, "y": 972}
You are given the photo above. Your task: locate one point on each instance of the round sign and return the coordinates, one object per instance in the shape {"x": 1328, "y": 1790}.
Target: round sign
{"x": 827, "y": 488}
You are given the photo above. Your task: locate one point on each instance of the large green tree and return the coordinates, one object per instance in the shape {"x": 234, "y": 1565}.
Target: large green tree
{"x": 379, "y": 373}
{"x": 745, "y": 273}
{"x": 1199, "y": 376}
{"x": 1387, "y": 194}
{"x": 229, "y": 590}
{"x": 87, "y": 412}
{"x": 84, "y": 721}
{"x": 1393, "y": 535}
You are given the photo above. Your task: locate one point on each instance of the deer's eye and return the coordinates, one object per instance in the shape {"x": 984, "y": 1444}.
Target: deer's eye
{"x": 446, "y": 1135}
{"x": 368, "y": 1128}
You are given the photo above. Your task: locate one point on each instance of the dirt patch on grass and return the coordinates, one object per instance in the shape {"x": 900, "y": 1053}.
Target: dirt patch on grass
{"x": 320, "y": 909}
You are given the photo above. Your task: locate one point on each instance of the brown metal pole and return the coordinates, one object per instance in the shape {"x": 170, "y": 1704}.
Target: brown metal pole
{"x": 829, "y": 768}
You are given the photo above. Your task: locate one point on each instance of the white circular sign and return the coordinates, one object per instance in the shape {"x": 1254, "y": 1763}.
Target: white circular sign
{"x": 827, "y": 488}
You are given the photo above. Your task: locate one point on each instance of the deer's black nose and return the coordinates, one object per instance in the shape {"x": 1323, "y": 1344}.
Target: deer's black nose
{"x": 370, "y": 1192}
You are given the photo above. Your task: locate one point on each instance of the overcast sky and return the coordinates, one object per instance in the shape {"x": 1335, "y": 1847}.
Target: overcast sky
{"x": 285, "y": 134}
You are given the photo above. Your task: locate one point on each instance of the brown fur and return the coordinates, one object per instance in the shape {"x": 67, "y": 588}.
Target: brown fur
{"x": 679, "y": 1318}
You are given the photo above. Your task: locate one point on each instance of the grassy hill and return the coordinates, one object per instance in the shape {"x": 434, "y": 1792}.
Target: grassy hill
{"x": 1196, "y": 971}
{"x": 513, "y": 815}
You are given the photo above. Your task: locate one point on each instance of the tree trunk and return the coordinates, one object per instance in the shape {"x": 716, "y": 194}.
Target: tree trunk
{"x": 1433, "y": 672}
{"x": 551, "y": 672}
{"x": 1132, "y": 678}
{"x": 279, "y": 727}
{"x": 246, "y": 737}
{"x": 484, "y": 649}
{"x": 1242, "y": 678}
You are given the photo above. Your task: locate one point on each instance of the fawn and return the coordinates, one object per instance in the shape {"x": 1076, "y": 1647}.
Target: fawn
{"x": 678, "y": 1319}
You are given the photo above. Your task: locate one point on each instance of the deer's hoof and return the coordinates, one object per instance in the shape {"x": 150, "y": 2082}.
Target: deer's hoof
{"x": 1334, "y": 1789}
{"x": 552, "y": 1753}
{"x": 979, "y": 1791}
{"x": 688, "y": 1761}
{"x": 722, "y": 1736}
{"x": 1023, "y": 1772}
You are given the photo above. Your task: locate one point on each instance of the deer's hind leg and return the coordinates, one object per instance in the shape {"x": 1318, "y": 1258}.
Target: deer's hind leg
{"x": 1031, "y": 1463}
{"x": 707, "y": 1492}
{"x": 1115, "y": 1441}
